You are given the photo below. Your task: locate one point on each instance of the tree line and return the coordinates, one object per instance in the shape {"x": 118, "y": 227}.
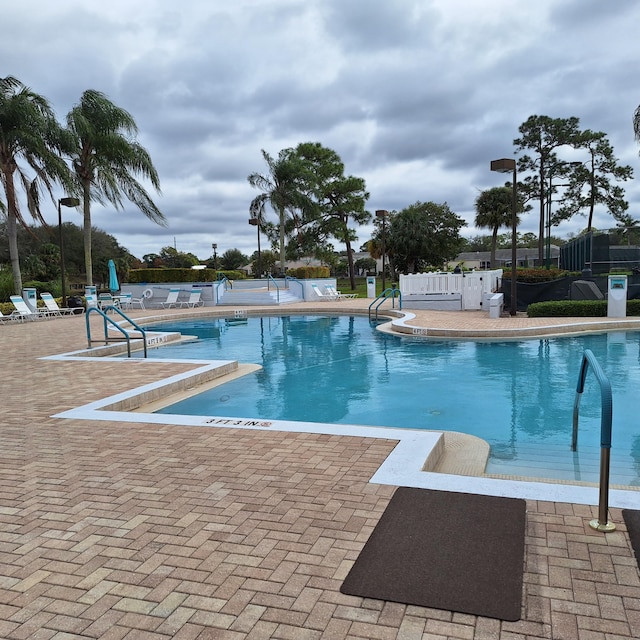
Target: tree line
{"x": 93, "y": 157}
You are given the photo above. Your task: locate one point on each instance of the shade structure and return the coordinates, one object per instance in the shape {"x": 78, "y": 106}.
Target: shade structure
{"x": 113, "y": 277}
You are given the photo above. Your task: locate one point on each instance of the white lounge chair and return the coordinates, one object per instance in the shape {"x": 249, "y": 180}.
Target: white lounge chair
{"x": 172, "y": 299}
{"x": 52, "y": 306}
{"x": 12, "y": 318}
{"x": 339, "y": 295}
{"x": 91, "y": 299}
{"x": 320, "y": 294}
{"x": 194, "y": 299}
{"x": 23, "y": 310}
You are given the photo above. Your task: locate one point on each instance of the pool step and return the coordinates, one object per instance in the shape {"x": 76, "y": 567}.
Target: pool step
{"x": 459, "y": 454}
{"x": 262, "y": 296}
{"x": 558, "y": 463}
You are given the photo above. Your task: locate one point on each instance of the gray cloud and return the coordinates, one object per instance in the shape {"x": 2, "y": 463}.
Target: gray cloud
{"x": 417, "y": 96}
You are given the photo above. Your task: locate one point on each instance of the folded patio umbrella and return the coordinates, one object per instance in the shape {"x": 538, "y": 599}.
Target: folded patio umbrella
{"x": 113, "y": 277}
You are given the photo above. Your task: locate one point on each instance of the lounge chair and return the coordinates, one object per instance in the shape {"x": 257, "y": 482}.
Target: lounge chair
{"x": 23, "y": 310}
{"x": 322, "y": 296}
{"x": 91, "y": 299}
{"x": 11, "y": 318}
{"x": 339, "y": 295}
{"x": 53, "y": 308}
{"x": 194, "y": 299}
{"x": 172, "y": 299}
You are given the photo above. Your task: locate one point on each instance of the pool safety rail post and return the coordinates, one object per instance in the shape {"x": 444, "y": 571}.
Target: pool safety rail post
{"x": 601, "y": 523}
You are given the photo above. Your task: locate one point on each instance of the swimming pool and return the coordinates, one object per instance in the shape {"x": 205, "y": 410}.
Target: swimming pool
{"x": 516, "y": 395}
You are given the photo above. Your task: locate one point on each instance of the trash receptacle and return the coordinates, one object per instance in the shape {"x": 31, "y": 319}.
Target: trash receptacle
{"x": 371, "y": 287}
{"x": 75, "y": 303}
{"x": 496, "y": 303}
{"x": 30, "y": 296}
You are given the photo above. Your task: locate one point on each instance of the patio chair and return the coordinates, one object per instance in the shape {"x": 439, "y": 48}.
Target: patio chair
{"x": 106, "y": 300}
{"x": 194, "y": 299}
{"x": 23, "y": 310}
{"x": 172, "y": 299}
{"x": 339, "y": 295}
{"x": 91, "y": 299}
{"x": 52, "y": 306}
{"x": 322, "y": 296}
{"x": 127, "y": 301}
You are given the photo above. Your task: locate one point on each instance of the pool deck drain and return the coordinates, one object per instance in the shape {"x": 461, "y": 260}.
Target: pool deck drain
{"x": 119, "y": 530}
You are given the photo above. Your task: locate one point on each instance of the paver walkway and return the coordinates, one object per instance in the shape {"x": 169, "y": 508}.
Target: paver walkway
{"x": 141, "y": 531}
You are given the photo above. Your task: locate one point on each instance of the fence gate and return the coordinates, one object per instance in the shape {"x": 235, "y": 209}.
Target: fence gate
{"x": 472, "y": 289}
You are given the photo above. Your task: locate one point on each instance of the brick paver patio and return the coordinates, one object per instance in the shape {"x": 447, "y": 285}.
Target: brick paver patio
{"x": 141, "y": 531}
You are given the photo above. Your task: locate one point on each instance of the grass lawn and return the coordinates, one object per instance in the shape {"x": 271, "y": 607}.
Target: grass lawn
{"x": 344, "y": 285}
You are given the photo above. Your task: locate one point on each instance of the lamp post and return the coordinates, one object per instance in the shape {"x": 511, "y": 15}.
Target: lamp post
{"x": 214, "y": 246}
{"x": 508, "y": 165}
{"x": 64, "y": 202}
{"x": 256, "y": 223}
{"x": 383, "y": 213}
{"x": 549, "y": 198}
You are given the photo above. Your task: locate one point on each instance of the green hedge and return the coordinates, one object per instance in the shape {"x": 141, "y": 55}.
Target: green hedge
{"x": 577, "y": 308}
{"x": 158, "y": 276}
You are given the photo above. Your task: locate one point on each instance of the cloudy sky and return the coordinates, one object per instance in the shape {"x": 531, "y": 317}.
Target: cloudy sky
{"x": 416, "y": 96}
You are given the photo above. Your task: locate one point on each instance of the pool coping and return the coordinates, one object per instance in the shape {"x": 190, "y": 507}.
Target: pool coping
{"x": 403, "y": 467}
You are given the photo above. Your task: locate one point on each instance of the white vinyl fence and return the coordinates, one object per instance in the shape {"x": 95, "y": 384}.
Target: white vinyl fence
{"x": 470, "y": 288}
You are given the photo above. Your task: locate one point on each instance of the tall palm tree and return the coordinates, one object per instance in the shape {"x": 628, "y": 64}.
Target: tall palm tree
{"x": 29, "y": 133}
{"x": 106, "y": 161}
{"x": 636, "y": 124}
{"x": 281, "y": 188}
{"x": 493, "y": 211}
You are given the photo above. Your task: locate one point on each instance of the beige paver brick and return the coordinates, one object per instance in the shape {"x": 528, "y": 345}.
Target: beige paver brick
{"x": 152, "y": 531}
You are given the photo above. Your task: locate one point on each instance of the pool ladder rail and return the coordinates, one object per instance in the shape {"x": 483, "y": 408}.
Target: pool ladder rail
{"x": 606, "y": 417}
{"x": 389, "y": 292}
{"x": 110, "y": 321}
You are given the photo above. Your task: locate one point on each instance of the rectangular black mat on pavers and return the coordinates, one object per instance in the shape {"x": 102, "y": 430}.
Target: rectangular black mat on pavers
{"x": 632, "y": 521}
{"x": 454, "y": 551}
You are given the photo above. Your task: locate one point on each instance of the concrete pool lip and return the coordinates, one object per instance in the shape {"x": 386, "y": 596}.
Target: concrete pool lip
{"x": 403, "y": 467}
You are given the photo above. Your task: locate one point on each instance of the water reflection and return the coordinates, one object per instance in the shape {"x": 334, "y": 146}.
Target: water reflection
{"x": 516, "y": 395}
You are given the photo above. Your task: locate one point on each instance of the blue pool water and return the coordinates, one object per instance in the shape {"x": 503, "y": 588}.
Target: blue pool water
{"x": 517, "y": 395}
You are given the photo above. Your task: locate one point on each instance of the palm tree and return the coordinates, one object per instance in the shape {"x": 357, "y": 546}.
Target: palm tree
{"x": 280, "y": 189}
{"x": 29, "y": 133}
{"x": 106, "y": 161}
{"x": 493, "y": 211}
{"x": 636, "y": 124}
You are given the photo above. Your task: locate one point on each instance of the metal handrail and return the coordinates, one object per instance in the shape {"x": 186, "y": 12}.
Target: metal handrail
{"x": 606, "y": 415}
{"x": 270, "y": 278}
{"x": 222, "y": 281}
{"x": 107, "y": 319}
{"x": 388, "y": 292}
{"x": 292, "y": 279}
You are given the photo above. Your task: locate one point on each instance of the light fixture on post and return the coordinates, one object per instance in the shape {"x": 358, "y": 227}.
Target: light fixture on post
{"x": 383, "y": 213}
{"x": 508, "y": 165}
{"x": 255, "y": 222}
{"x": 549, "y": 198}
{"x": 214, "y": 246}
{"x": 64, "y": 202}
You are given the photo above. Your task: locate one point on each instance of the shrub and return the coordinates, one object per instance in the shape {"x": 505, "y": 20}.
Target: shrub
{"x": 305, "y": 273}
{"x": 576, "y": 308}
{"x": 537, "y": 275}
